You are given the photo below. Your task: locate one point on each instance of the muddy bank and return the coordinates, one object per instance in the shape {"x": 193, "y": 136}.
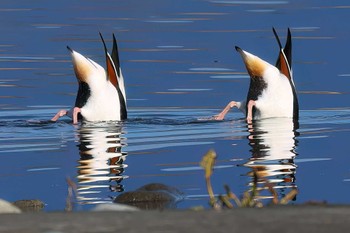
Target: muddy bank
{"x": 271, "y": 219}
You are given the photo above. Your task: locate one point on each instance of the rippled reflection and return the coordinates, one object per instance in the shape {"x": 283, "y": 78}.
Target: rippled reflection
{"x": 101, "y": 165}
{"x": 273, "y": 143}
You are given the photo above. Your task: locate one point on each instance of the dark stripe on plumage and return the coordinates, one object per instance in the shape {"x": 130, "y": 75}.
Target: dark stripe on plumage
{"x": 295, "y": 102}
{"x": 115, "y": 56}
{"x": 123, "y": 110}
{"x": 83, "y": 95}
{"x": 115, "y": 60}
{"x": 256, "y": 87}
{"x": 288, "y": 53}
{"x": 287, "y": 50}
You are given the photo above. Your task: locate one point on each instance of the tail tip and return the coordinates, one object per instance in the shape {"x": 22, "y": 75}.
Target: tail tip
{"x": 69, "y": 48}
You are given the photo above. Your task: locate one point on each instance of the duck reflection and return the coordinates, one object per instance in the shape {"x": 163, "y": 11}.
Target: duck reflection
{"x": 101, "y": 164}
{"x": 273, "y": 142}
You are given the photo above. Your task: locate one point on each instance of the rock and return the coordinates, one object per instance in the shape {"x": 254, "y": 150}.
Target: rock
{"x": 115, "y": 207}
{"x": 151, "y": 196}
{"x": 8, "y": 208}
{"x": 29, "y": 205}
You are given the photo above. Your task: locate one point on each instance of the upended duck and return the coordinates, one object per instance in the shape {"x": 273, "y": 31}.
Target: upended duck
{"x": 272, "y": 91}
{"x": 101, "y": 95}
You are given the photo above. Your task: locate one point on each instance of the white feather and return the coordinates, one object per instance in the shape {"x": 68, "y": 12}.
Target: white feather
{"x": 121, "y": 84}
{"x": 276, "y": 100}
{"x": 103, "y": 104}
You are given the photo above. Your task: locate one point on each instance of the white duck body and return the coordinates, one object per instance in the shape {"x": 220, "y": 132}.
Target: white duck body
{"x": 270, "y": 89}
{"x": 276, "y": 100}
{"x": 103, "y": 103}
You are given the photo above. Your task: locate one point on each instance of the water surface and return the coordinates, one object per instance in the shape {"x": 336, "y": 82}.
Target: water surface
{"x": 180, "y": 68}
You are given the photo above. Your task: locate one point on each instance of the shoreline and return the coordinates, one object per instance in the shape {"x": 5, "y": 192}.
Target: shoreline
{"x": 300, "y": 218}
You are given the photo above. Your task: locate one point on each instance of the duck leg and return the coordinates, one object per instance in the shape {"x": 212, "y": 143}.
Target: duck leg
{"x": 76, "y": 111}
{"x": 222, "y": 114}
{"x": 250, "y": 106}
{"x": 73, "y": 113}
{"x": 60, "y": 113}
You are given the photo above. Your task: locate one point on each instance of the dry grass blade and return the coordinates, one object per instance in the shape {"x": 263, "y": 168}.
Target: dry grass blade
{"x": 207, "y": 163}
{"x": 246, "y": 200}
{"x": 250, "y": 197}
{"x": 226, "y": 201}
{"x": 72, "y": 191}
{"x": 273, "y": 192}
{"x": 285, "y": 200}
{"x": 255, "y": 191}
{"x": 213, "y": 203}
{"x": 232, "y": 196}
{"x": 250, "y": 201}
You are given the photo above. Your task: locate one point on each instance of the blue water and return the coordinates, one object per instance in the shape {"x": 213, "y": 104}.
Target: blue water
{"x": 180, "y": 68}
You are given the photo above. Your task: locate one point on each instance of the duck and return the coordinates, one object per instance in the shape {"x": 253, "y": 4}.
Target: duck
{"x": 272, "y": 91}
{"x": 101, "y": 94}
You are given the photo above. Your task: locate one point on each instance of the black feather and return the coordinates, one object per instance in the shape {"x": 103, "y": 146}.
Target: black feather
{"x": 83, "y": 95}
{"x": 115, "y": 56}
{"x": 256, "y": 87}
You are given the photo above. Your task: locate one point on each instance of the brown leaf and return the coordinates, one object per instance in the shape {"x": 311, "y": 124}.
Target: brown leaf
{"x": 289, "y": 197}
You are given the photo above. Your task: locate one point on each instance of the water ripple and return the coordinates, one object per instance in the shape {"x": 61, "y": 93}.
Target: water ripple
{"x": 101, "y": 164}
{"x": 104, "y": 147}
{"x": 251, "y": 2}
